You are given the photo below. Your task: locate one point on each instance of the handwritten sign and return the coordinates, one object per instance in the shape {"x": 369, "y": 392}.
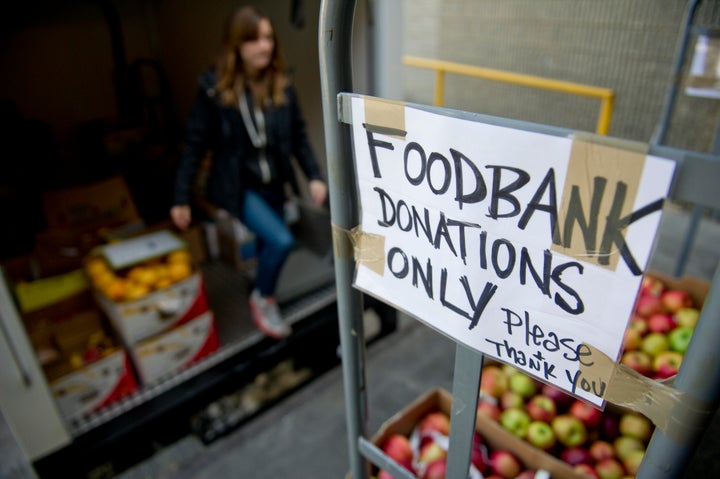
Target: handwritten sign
{"x": 524, "y": 246}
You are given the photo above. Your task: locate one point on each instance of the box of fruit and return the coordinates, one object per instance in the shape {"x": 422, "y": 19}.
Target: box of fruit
{"x": 417, "y": 439}
{"x": 173, "y": 350}
{"x": 662, "y": 324}
{"x": 94, "y": 385}
{"x": 147, "y": 284}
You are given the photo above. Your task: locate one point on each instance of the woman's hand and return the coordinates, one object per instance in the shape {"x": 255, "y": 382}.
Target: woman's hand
{"x": 181, "y": 215}
{"x": 318, "y": 191}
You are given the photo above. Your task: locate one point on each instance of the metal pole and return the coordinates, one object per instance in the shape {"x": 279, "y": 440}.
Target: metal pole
{"x": 699, "y": 378}
{"x": 334, "y": 43}
{"x": 658, "y": 137}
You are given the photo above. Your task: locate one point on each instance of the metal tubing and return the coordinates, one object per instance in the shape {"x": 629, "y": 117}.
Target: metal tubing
{"x": 658, "y": 137}
{"x": 606, "y": 95}
{"x": 466, "y": 386}
{"x": 334, "y": 43}
{"x": 699, "y": 378}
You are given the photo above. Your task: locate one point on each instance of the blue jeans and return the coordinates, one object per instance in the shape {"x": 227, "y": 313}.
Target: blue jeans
{"x": 274, "y": 241}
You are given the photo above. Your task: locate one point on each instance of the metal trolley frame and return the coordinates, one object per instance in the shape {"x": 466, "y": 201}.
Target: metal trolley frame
{"x": 694, "y": 182}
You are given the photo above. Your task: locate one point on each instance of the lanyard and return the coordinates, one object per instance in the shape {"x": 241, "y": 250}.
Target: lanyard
{"x": 257, "y": 134}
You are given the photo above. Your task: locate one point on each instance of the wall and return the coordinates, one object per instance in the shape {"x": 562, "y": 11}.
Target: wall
{"x": 626, "y": 45}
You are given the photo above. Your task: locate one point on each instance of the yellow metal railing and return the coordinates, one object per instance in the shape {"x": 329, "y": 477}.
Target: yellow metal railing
{"x": 605, "y": 95}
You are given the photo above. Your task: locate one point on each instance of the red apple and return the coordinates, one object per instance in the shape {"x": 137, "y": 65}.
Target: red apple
{"x": 561, "y": 398}
{"x": 640, "y": 361}
{"x": 569, "y": 430}
{"x": 624, "y": 445}
{"x": 667, "y": 364}
{"x": 636, "y": 425}
{"x": 510, "y": 399}
{"x": 541, "y": 408}
{"x": 650, "y": 286}
{"x": 527, "y": 474}
{"x": 639, "y": 324}
{"x": 586, "y": 470}
{"x": 436, "y": 421}
{"x": 609, "y": 469}
{"x": 632, "y": 340}
{"x": 589, "y": 415}
{"x": 505, "y": 464}
{"x": 610, "y": 427}
{"x": 661, "y": 323}
{"x": 576, "y": 455}
{"x": 489, "y": 409}
{"x": 648, "y": 305}
{"x": 675, "y": 299}
{"x": 398, "y": 447}
{"x": 432, "y": 451}
{"x": 655, "y": 343}
{"x": 435, "y": 470}
{"x": 493, "y": 381}
{"x": 540, "y": 435}
{"x": 600, "y": 450}
{"x": 383, "y": 474}
{"x": 479, "y": 459}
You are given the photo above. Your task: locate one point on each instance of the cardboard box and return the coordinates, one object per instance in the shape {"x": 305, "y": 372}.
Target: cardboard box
{"x": 77, "y": 220}
{"x": 103, "y": 204}
{"x": 494, "y": 436}
{"x": 178, "y": 348}
{"x": 164, "y": 300}
{"x": 94, "y": 386}
{"x": 159, "y": 311}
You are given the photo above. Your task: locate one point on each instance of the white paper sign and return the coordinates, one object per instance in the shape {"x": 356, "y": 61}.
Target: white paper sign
{"x": 523, "y": 246}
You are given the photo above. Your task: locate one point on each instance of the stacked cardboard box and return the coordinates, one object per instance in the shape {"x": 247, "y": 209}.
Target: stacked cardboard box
{"x": 155, "y": 298}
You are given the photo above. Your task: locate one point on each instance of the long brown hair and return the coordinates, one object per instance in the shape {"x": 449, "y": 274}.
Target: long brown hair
{"x": 242, "y": 26}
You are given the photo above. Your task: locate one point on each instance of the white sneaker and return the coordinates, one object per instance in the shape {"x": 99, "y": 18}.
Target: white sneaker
{"x": 266, "y": 316}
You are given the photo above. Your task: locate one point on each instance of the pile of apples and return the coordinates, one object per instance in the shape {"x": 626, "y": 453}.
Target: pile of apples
{"x": 138, "y": 281}
{"x": 600, "y": 445}
{"x": 660, "y": 329}
{"x": 424, "y": 453}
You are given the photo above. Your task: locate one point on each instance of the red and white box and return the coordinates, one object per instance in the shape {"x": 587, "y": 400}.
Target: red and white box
{"x": 94, "y": 386}
{"x": 157, "y": 312}
{"x": 173, "y": 350}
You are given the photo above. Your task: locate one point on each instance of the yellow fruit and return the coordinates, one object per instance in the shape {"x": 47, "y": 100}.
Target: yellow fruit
{"x": 135, "y": 290}
{"x": 96, "y": 266}
{"x": 115, "y": 290}
{"x": 163, "y": 282}
{"x": 178, "y": 271}
{"x": 103, "y": 279}
{"x": 144, "y": 275}
{"x": 181, "y": 256}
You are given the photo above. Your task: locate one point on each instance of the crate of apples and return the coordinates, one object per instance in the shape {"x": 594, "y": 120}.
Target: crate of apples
{"x": 418, "y": 439}
{"x": 597, "y": 444}
{"x": 661, "y": 326}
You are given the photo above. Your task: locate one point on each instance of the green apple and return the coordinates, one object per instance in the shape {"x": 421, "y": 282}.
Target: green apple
{"x": 687, "y": 317}
{"x": 540, "y": 435}
{"x": 655, "y": 343}
{"x": 569, "y": 430}
{"x": 522, "y": 384}
{"x": 516, "y": 421}
{"x": 679, "y": 338}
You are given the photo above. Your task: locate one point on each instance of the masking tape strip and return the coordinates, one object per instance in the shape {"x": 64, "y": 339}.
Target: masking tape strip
{"x": 366, "y": 248}
{"x": 386, "y": 117}
{"x": 680, "y": 416}
{"x": 597, "y": 164}
{"x": 621, "y": 144}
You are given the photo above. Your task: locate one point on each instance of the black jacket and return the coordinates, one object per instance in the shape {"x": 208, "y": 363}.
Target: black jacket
{"x": 220, "y": 130}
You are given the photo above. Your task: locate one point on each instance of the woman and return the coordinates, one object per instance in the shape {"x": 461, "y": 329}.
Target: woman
{"x": 246, "y": 113}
